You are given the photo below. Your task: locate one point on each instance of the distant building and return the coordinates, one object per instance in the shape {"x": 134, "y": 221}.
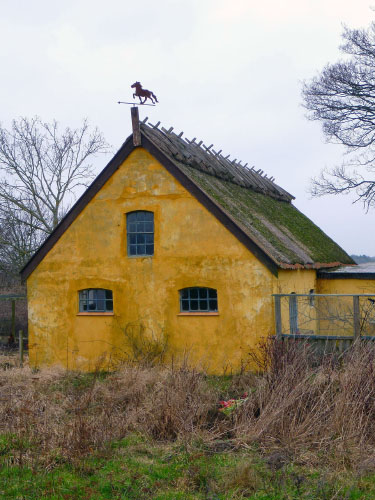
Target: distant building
{"x": 174, "y": 237}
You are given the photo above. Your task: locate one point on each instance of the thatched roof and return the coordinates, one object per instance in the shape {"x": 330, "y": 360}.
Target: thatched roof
{"x": 196, "y": 155}
{"x": 248, "y": 203}
{"x": 261, "y": 208}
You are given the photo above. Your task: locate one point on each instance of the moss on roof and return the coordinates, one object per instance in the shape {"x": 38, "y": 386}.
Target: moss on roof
{"x": 277, "y": 226}
{"x": 261, "y": 208}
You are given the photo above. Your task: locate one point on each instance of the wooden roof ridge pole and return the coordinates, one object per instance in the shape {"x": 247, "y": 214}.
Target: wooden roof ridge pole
{"x": 136, "y": 126}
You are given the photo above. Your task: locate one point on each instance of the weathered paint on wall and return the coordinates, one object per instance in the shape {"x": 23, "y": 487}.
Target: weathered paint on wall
{"x": 295, "y": 281}
{"x": 351, "y": 286}
{"x": 191, "y": 249}
{"x": 342, "y": 307}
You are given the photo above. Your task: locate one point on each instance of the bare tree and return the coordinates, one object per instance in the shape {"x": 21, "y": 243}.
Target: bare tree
{"x": 342, "y": 97}
{"x": 42, "y": 168}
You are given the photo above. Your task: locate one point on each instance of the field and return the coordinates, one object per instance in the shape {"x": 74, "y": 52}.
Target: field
{"x": 289, "y": 428}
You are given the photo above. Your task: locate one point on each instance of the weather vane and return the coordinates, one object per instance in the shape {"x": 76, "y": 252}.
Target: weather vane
{"x": 141, "y": 92}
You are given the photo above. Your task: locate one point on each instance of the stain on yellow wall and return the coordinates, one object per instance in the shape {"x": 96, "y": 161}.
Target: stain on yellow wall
{"x": 351, "y": 286}
{"x": 192, "y": 248}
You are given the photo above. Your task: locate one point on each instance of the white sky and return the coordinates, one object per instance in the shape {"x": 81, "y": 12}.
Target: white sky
{"x": 226, "y": 72}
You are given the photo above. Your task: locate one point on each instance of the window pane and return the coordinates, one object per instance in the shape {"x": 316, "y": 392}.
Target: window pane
{"x": 212, "y": 293}
{"x": 132, "y": 249}
{"x": 132, "y": 239}
{"x": 194, "y": 305}
{"x": 203, "y": 305}
{"x": 202, "y": 293}
{"x": 92, "y": 305}
{"x": 109, "y": 305}
{"x": 150, "y": 250}
{"x": 149, "y": 227}
{"x": 141, "y": 249}
{"x": 184, "y": 305}
{"x": 184, "y": 293}
{"x": 149, "y": 238}
{"x": 194, "y": 293}
{"x": 108, "y": 294}
{"x": 141, "y": 238}
{"x": 140, "y": 227}
{"x": 149, "y": 216}
{"x": 132, "y": 228}
{"x": 132, "y": 217}
{"x": 213, "y": 305}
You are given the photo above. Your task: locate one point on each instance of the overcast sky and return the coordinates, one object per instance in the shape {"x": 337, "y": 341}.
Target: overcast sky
{"x": 226, "y": 72}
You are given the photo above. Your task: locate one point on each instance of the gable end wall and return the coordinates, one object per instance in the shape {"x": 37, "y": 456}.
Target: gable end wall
{"x": 192, "y": 248}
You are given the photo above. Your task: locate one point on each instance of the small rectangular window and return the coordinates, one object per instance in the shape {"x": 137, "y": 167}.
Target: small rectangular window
{"x": 198, "y": 299}
{"x": 95, "y": 300}
{"x": 140, "y": 233}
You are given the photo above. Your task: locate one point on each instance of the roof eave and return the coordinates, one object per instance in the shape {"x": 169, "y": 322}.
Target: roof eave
{"x": 77, "y": 208}
{"x": 210, "y": 204}
{"x": 313, "y": 265}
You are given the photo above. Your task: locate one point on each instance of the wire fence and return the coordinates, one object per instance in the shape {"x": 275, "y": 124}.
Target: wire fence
{"x": 325, "y": 316}
{"x": 13, "y": 319}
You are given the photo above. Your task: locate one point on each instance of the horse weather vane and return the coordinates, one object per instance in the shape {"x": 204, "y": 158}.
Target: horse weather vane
{"x": 141, "y": 92}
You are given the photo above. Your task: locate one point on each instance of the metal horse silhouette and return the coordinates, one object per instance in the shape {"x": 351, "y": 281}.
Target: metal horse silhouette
{"x": 140, "y": 92}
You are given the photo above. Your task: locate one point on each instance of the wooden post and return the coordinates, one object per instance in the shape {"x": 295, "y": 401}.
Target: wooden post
{"x": 278, "y": 316}
{"x": 20, "y": 344}
{"x": 356, "y": 317}
{"x": 136, "y": 126}
{"x": 293, "y": 314}
{"x": 13, "y": 332}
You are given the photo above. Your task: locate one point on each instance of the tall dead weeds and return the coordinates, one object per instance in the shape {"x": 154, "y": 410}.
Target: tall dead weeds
{"x": 308, "y": 408}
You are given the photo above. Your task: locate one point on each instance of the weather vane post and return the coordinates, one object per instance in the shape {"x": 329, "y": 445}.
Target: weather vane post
{"x": 146, "y": 94}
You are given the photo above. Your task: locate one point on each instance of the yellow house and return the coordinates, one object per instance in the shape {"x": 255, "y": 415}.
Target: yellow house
{"x": 172, "y": 240}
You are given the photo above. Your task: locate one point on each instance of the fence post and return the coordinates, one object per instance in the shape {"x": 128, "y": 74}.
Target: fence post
{"x": 13, "y": 332}
{"x": 356, "y": 317}
{"x": 278, "y": 316}
{"x": 20, "y": 344}
{"x": 293, "y": 314}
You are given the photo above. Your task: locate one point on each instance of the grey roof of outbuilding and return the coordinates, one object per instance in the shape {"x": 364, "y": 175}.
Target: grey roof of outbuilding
{"x": 360, "y": 271}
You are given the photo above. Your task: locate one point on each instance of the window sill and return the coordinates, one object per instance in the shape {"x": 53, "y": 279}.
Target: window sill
{"x": 198, "y": 314}
{"x": 95, "y": 314}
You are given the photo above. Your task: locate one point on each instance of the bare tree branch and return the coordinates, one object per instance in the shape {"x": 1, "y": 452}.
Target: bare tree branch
{"x": 342, "y": 98}
{"x": 41, "y": 168}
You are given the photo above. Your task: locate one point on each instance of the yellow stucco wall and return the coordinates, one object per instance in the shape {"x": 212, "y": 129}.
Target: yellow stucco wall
{"x": 351, "y": 286}
{"x": 296, "y": 281}
{"x": 191, "y": 249}
{"x": 342, "y": 307}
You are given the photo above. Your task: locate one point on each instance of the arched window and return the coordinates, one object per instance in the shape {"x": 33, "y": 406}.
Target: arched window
{"x": 198, "y": 299}
{"x": 140, "y": 233}
{"x": 95, "y": 300}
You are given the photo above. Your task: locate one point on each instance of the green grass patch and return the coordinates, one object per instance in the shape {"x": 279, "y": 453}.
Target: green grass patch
{"x": 138, "y": 468}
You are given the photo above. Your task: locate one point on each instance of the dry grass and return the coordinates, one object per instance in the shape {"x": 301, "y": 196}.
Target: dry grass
{"x": 312, "y": 409}
{"x": 297, "y": 409}
{"x": 54, "y": 415}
